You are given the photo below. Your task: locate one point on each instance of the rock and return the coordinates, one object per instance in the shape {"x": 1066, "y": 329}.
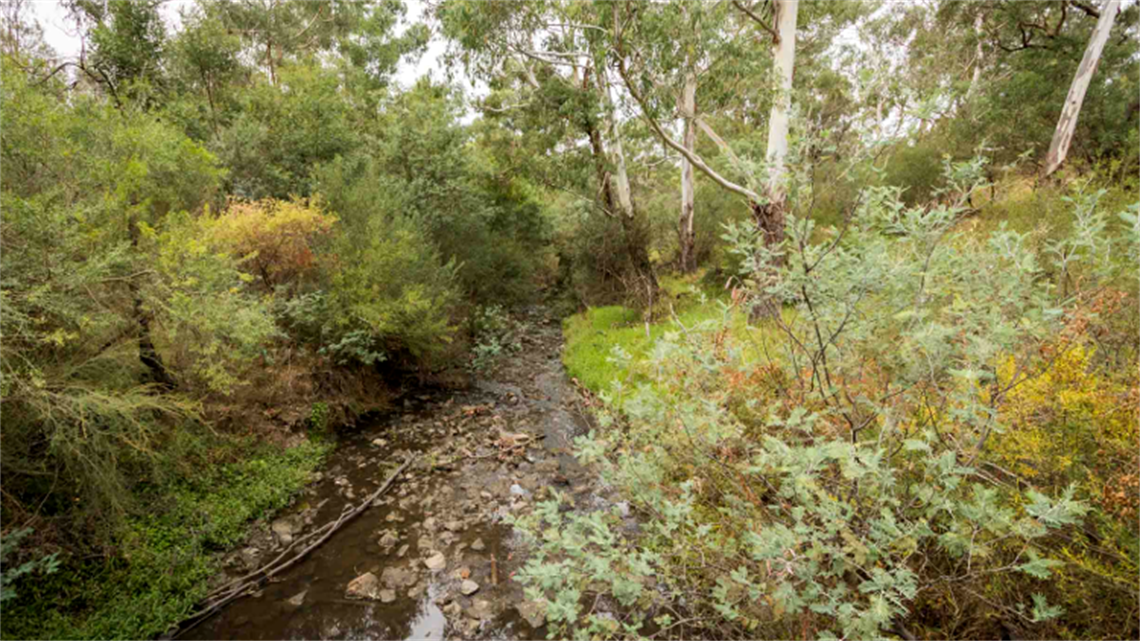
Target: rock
{"x": 454, "y": 526}
{"x": 284, "y": 530}
{"x": 481, "y": 609}
{"x": 402, "y": 551}
{"x": 394, "y": 577}
{"x": 468, "y": 587}
{"x": 379, "y": 442}
{"x": 436, "y": 562}
{"x": 622, "y": 508}
{"x": 389, "y": 539}
{"x": 365, "y": 586}
{"x": 453, "y": 609}
{"x": 297, "y": 599}
{"x": 387, "y": 596}
{"x": 478, "y": 545}
{"x": 486, "y": 495}
{"x": 517, "y": 490}
{"x": 249, "y": 556}
{"x": 417, "y": 590}
{"x": 534, "y": 613}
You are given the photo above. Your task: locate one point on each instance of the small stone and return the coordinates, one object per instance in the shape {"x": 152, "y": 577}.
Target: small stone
{"x": 402, "y": 551}
{"x": 394, "y": 577}
{"x": 436, "y": 561}
{"x": 534, "y": 613}
{"x": 454, "y": 526}
{"x": 478, "y": 545}
{"x": 379, "y": 442}
{"x": 387, "y": 596}
{"x": 297, "y": 599}
{"x": 389, "y": 539}
{"x": 365, "y": 586}
{"x": 283, "y": 529}
{"x": 468, "y": 587}
{"x": 481, "y": 610}
{"x": 453, "y": 609}
{"x": 517, "y": 490}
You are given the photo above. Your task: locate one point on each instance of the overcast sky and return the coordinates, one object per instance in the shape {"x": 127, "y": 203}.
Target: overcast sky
{"x": 61, "y": 35}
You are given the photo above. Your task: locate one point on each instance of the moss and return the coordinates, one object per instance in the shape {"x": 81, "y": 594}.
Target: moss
{"x": 167, "y": 552}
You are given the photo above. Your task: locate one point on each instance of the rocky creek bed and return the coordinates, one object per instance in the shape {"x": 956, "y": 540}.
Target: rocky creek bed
{"x": 432, "y": 559}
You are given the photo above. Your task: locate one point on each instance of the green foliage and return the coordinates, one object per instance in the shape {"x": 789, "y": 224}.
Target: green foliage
{"x": 44, "y": 564}
{"x": 493, "y": 334}
{"x": 168, "y": 561}
{"x": 841, "y": 472}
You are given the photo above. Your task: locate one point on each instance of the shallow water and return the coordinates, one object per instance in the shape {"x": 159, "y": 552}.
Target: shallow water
{"x": 456, "y": 510}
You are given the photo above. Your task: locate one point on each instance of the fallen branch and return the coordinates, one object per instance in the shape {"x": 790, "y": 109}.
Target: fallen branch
{"x": 240, "y": 587}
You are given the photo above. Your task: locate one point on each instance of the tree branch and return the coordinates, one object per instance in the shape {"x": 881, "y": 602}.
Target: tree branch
{"x": 692, "y": 157}
{"x": 758, "y": 20}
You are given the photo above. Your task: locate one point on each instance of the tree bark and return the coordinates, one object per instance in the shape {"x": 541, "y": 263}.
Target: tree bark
{"x": 1067, "y": 124}
{"x": 685, "y": 236}
{"x": 979, "y": 57}
{"x": 148, "y": 354}
{"x": 770, "y": 216}
{"x": 633, "y": 224}
{"x": 784, "y": 55}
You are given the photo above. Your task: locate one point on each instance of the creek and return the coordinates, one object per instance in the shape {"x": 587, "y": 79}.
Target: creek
{"x": 439, "y": 556}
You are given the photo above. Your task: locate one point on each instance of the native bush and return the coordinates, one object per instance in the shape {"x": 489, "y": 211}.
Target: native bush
{"x": 276, "y": 240}
{"x": 838, "y": 469}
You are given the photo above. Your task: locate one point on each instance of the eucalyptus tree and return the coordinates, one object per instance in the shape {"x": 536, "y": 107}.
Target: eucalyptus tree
{"x": 999, "y": 63}
{"x": 359, "y": 32}
{"x": 744, "y": 54}
{"x": 553, "y": 57}
{"x": 1067, "y": 124}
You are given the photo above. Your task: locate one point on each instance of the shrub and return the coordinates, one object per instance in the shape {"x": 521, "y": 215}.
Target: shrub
{"x": 276, "y": 240}
{"x": 848, "y": 473}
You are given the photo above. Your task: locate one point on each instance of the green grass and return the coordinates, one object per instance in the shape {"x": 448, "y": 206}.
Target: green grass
{"x": 590, "y": 337}
{"x": 166, "y": 556}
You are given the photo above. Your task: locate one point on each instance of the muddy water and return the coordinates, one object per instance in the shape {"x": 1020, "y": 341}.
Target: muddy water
{"x": 451, "y": 503}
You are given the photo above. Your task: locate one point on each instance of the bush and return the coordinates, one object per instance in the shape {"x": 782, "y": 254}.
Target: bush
{"x": 839, "y": 469}
{"x": 275, "y": 240}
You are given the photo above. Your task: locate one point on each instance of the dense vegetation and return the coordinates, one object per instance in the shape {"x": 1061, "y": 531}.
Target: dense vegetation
{"x": 875, "y": 375}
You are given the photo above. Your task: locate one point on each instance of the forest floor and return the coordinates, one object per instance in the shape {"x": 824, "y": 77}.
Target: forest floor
{"x": 433, "y": 558}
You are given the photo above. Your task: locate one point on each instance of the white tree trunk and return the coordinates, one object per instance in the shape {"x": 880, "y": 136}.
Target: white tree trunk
{"x": 688, "y": 198}
{"x": 784, "y": 54}
{"x": 621, "y": 176}
{"x": 1067, "y": 124}
{"x": 979, "y": 57}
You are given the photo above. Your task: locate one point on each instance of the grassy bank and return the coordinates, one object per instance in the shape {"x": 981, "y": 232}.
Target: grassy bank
{"x": 167, "y": 552}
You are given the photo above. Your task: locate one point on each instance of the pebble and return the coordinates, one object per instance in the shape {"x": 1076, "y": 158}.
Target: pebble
{"x": 436, "y": 561}
{"x": 468, "y": 587}
{"x": 478, "y": 545}
{"x": 387, "y": 596}
{"x": 365, "y": 586}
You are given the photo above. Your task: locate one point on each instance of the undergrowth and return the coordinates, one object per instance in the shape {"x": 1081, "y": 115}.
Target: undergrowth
{"x": 166, "y": 558}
